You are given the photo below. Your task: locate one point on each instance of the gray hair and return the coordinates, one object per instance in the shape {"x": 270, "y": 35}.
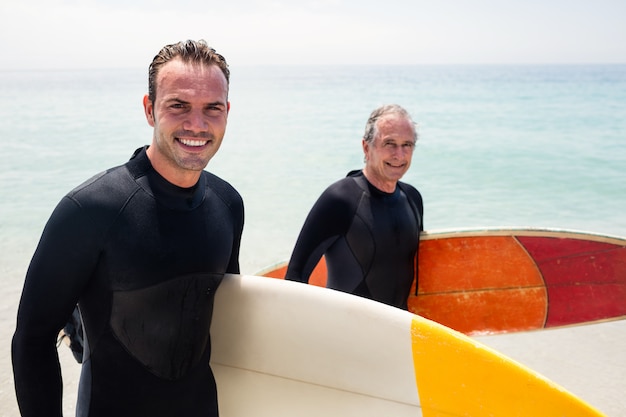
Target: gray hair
{"x": 371, "y": 128}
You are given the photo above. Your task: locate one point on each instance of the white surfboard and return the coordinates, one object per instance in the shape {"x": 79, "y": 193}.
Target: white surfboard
{"x": 282, "y": 348}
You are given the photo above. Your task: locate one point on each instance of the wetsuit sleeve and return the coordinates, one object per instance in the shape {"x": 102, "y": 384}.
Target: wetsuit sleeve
{"x": 232, "y": 199}
{"x": 60, "y": 268}
{"x": 416, "y": 203}
{"x": 238, "y": 216}
{"x": 328, "y": 219}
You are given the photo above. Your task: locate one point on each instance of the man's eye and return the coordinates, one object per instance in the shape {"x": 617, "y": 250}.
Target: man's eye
{"x": 214, "y": 108}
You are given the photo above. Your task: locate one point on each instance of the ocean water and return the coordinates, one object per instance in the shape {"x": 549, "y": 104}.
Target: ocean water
{"x": 540, "y": 146}
{"x": 499, "y": 146}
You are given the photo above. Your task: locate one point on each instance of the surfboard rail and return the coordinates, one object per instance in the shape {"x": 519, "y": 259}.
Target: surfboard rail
{"x": 524, "y": 231}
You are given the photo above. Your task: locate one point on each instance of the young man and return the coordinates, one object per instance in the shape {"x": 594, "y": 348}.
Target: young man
{"x": 141, "y": 248}
{"x": 367, "y": 225}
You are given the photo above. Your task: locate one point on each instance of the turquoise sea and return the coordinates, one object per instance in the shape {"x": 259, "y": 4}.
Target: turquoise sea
{"x": 499, "y": 146}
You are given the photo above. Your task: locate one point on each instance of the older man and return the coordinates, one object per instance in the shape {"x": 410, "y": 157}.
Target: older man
{"x": 367, "y": 225}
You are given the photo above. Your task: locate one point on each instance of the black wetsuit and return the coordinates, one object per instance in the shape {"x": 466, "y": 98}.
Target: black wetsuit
{"x": 143, "y": 259}
{"x": 368, "y": 237}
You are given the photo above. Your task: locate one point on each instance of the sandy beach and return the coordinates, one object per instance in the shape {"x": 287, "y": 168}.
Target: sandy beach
{"x": 587, "y": 360}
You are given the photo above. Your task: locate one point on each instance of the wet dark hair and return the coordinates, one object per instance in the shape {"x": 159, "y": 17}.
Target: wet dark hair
{"x": 189, "y": 51}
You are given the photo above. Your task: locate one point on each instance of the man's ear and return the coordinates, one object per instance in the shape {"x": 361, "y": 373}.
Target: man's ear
{"x": 148, "y": 109}
{"x": 365, "y": 149}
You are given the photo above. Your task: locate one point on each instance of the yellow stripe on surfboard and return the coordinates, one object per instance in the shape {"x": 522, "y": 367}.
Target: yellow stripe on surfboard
{"x": 464, "y": 378}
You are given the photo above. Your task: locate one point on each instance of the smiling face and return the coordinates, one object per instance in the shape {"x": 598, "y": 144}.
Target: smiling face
{"x": 189, "y": 117}
{"x": 388, "y": 156}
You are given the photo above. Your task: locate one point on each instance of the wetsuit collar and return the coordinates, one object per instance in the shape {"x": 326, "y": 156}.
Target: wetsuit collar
{"x": 166, "y": 193}
{"x": 363, "y": 182}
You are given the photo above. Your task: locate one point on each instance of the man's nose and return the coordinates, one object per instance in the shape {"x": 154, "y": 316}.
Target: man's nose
{"x": 196, "y": 122}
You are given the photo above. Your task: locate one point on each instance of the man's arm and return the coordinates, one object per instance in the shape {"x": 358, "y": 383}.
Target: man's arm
{"x": 60, "y": 267}
{"x": 329, "y": 218}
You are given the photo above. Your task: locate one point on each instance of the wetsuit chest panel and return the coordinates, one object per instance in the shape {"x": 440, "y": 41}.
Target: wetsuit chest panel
{"x": 155, "y": 275}
{"x": 396, "y": 232}
{"x": 166, "y": 326}
{"x": 171, "y": 243}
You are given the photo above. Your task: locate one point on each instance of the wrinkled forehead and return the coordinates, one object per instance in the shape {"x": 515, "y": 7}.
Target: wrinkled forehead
{"x": 396, "y": 127}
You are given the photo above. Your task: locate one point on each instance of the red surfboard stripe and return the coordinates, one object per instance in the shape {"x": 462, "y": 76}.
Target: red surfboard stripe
{"x": 586, "y": 281}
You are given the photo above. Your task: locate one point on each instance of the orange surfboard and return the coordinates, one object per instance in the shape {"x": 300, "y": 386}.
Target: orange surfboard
{"x": 507, "y": 280}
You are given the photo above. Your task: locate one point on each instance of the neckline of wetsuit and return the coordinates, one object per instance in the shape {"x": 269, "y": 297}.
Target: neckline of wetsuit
{"x": 164, "y": 192}
{"x": 364, "y": 183}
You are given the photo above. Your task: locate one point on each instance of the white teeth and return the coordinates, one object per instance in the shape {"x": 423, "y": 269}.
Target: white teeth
{"x": 190, "y": 142}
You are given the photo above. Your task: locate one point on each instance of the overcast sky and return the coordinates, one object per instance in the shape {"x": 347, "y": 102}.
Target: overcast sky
{"x": 59, "y": 34}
